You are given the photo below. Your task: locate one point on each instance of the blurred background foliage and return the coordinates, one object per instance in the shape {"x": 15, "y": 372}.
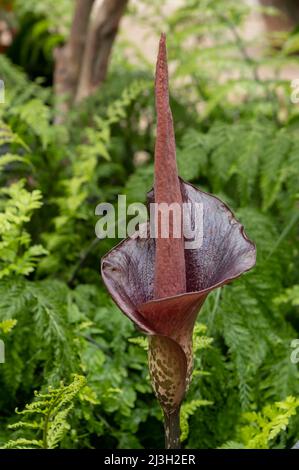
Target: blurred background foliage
{"x": 237, "y": 137}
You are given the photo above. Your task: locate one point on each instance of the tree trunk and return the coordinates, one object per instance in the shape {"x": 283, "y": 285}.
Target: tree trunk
{"x": 103, "y": 25}
{"x": 288, "y": 18}
{"x": 81, "y": 64}
{"x": 76, "y": 44}
{"x": 68, "y": 60}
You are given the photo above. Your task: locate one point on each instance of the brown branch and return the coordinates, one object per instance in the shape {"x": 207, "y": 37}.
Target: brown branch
{"x": 68, "y": 60}
{"x": 104, "y": 20}
{"x": 77, "y": 41}
{"x": 288, "y": 17}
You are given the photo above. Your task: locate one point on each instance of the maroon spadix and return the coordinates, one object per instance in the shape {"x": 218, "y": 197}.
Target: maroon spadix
{"x": 158, "y": 283}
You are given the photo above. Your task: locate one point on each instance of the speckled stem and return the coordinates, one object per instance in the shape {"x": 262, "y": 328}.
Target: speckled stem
{"x": 172, "y": 430}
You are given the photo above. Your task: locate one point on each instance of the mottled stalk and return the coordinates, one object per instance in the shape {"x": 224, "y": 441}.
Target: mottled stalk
{"x": 172, "y": 430}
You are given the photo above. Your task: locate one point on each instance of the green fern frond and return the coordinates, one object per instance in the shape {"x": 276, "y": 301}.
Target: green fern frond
{"x": 140, "y": 341}
{"x": 232, "y": 445}
{"x": 274, "y": 170}
{"x": 9, "y": 158}
{"x": 36, "y": 115}
{"x": 7, "y": 325}
{"x": 200, "y": 340}
{"x": 188, "y": 409}
{"x": 52, "y": 409}
{"x": 7, "y": 136}
{"x": 192, "y": 155}
{"x": 22, "y": 443}
{"x": 16, "y": 254}
{"x": 260, "y": 428}
{"x": 290, "y": 295}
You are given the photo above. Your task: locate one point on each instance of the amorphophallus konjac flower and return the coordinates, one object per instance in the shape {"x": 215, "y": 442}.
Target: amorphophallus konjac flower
{"x": 158, "y": 283}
